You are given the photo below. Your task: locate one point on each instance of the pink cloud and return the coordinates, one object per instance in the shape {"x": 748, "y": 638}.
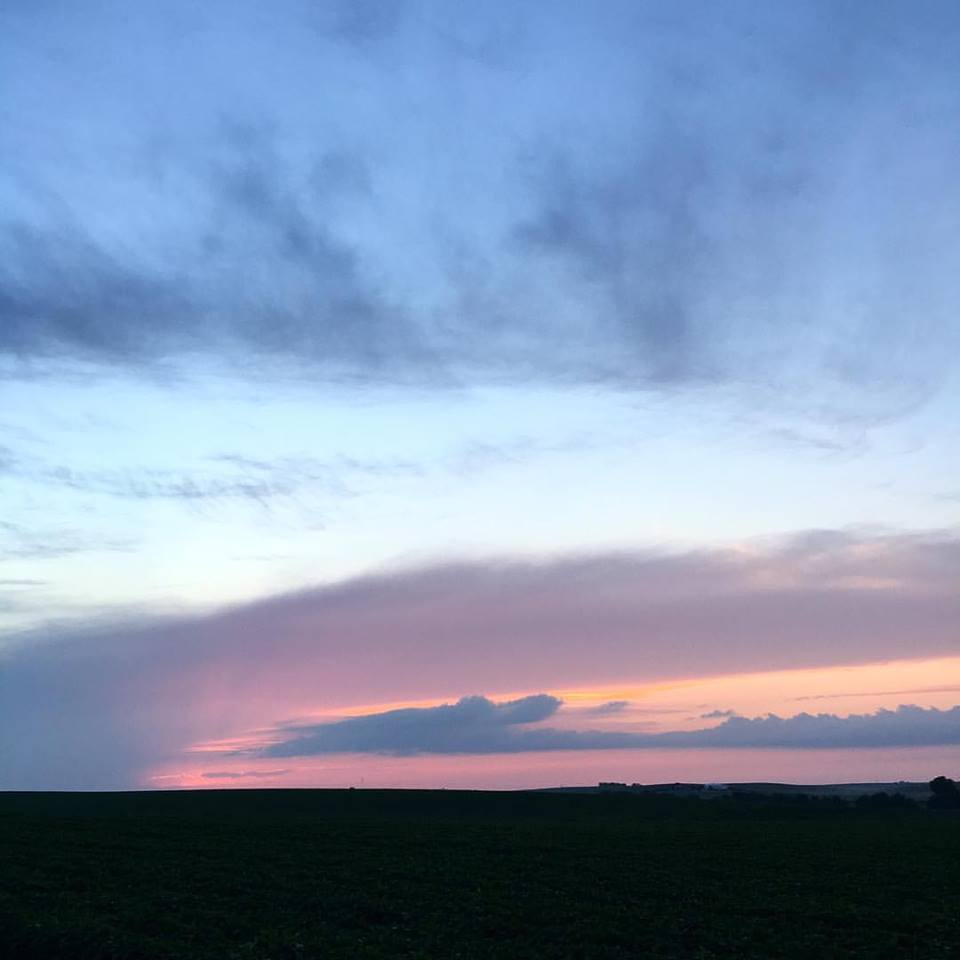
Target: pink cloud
{"x": 99, "y": 704}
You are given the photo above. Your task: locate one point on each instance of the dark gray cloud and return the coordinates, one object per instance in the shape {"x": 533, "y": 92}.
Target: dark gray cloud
{"x": 62, "y": 294}
{"x": 656, "y": 196}
{"x": 262, "y": 280}
{"x": 331, "y": 312}
{"x": 472, "y": 725}
{"x": 476, "y": 725}
{"x": 907, "y": 726}
{"x": 718, "y": 714}
{"x": 95, "y": 703}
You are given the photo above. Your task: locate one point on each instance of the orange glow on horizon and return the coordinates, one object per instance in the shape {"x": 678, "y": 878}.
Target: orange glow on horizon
{"x": 649, "y": 707}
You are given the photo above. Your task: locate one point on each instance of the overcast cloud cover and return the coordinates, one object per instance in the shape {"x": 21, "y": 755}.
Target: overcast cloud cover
{"x": 664, "y": 195}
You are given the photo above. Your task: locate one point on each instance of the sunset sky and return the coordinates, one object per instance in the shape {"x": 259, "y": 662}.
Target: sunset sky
{"x": 424, "y": 393}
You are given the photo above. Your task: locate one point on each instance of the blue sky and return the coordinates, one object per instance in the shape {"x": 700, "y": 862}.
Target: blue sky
{"x": 200, "y": 493}
{"x": 292, "y": 297}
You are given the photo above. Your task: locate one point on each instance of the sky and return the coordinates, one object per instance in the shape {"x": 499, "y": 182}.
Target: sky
{"x": 426, "y": 394}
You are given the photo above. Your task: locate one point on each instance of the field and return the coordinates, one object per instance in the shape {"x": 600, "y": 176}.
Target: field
{"x": 364, "y": 874}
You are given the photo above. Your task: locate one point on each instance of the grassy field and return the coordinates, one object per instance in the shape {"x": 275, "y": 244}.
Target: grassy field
{"x": 362, "y": 874}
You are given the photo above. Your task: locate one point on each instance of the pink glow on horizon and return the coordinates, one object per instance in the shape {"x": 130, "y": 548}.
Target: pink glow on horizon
{"x": 571, "y": 768}
{"x": 650, "y": 707}
{"x": 670, "y": 705}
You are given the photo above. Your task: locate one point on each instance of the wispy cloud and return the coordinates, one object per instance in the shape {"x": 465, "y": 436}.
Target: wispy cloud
{"x": 24, "y": 542}
{"x": 952, "y": 688}
{"x": 218, "y": 478}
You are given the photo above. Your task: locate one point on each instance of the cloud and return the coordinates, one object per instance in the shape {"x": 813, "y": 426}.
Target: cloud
{"x": 736, "y": 199}
{"x": 761, "y": 196}
{"x": 476, "y": 725}
{"x": 472, "y": 725}
{"x": 609, "y": 708}
{"x": 222, "y": 477}
{"x": 95, "y": 703}
{"x": 20, "y": 542}
{"x": 62, "y": 293}
{"x": 718, "y": 714}
{"x": 639, "y": 289}
{"x": 66, "y": 294}
{"x": 242, "y": 774}
{"x": 953, "y": 688}
{"x": 169, "y": 485}
{"x": 360, "y": 22}
{"x": 907, "y": 726}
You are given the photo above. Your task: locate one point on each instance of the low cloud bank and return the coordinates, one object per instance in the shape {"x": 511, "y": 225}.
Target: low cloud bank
{"x": 100, "y": 704}
{"x": 476, "y": 725}
{"x": 471, "y": 725}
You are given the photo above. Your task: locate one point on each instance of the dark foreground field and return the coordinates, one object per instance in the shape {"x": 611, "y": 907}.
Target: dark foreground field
{"x": 288, "y": 874}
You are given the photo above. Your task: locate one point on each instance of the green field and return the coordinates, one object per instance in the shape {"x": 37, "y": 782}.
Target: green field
{"x": 354, "y": 874}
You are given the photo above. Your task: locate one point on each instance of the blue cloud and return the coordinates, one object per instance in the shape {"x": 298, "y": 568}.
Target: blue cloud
{"x": 476, "y": 725}
{"x": 726, "y": 215}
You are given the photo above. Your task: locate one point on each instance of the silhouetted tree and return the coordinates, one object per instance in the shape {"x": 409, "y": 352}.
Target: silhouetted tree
{"x": 946, "y": 794}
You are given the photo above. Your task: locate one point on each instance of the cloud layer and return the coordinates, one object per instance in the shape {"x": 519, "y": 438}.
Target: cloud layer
{"x": 662, "y": 195}
{"x": 478, "y": 725}
{"x": 471, "y": 725}
{"x": 95, "y": 704}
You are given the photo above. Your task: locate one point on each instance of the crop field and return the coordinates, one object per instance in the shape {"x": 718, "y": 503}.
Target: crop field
{"x": 415, "y": 874}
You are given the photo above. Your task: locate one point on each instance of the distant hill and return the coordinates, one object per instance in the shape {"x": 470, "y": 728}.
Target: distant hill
{"x": 915, "y": 790}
